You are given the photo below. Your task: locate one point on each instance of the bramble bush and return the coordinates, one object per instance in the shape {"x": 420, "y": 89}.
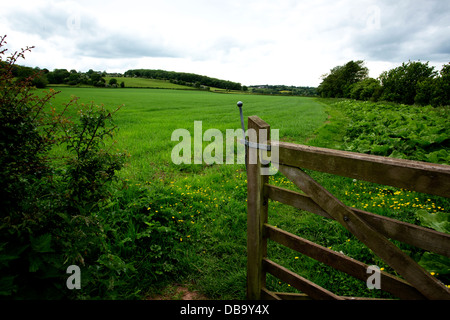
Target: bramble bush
{"x": 51, "y": 200}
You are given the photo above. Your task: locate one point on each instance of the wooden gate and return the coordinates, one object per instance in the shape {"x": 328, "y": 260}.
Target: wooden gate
{"x": 371, "y": 229}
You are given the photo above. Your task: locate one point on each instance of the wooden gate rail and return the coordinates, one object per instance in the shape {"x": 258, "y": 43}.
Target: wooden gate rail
{"x": 371, "y": 229}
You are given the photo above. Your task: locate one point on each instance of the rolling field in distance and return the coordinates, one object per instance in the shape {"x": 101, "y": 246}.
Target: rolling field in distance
{"x": 147, "y": 83}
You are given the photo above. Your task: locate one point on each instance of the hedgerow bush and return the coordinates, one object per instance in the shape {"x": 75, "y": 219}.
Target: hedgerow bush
{"x": 56, "y": 174}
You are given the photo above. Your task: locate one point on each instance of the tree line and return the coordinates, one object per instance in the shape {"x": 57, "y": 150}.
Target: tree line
{"x": 413, "y": 82}
{"x": 183, "y": 78}
{"x": 40, "y": 78}
{"x": 284, "y": 90}
{"x": 43, "y": 77}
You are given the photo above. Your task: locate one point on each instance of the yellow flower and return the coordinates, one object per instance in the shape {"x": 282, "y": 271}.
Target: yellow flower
{"x": 432, "y": 273}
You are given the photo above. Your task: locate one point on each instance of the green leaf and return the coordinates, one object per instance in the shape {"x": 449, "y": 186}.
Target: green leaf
{"x": 35, "y": 263}
{"x": 439, "y": 221}
{"x": 41, "y": 244}
{"x": 6, "y": 258}
{"x": 115, "y": 263}
{"x": 7, "y": 286}
{"x": 435, "y": 263}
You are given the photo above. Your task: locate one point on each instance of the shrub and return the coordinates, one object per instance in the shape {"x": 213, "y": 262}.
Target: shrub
{"x": 400, "y": 84}
{"x": 50, "y": 202}
{"x": 367, "y": 89}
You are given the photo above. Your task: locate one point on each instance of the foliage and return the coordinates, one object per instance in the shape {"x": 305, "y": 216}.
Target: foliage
{"x": 439, "y": 265}
{"x": 339, "y": 81}
{"x": 75, "y": 78}
{"x": 435, "y": 90}
{"x": 367, "y": 89}
{"x": 412, "y": 82}
{"x": 91, "y": 166}
{"x": 27, "y": 133}
{"x": 51, "y": 199}
{"x": 400, "y": 84}
{"x": 396, "y": 130}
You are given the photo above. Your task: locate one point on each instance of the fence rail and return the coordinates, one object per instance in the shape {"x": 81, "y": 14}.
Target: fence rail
{"x": 373, "y": 230}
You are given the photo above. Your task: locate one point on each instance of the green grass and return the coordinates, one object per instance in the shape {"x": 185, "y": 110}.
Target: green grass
{"x": 148, "y": 83}
{"x": 148, "y": 118}
{"x": 205, "y": 205}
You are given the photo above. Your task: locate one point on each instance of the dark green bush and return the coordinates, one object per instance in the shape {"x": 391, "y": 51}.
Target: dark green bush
{"x": 51, "y": 199}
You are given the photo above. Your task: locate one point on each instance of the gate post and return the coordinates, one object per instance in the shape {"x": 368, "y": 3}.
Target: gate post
{"x": 257, "y": 205}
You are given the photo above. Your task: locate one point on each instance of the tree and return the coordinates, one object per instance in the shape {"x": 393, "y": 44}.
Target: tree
{"x": 40, "y": 80}
{"x": 338, "y": 83}
{"x": 425, "y": 91}
{"x": 73, "y": 78}
{"x": 441, "y": 95}
{"x": 367, "y": 89}
{"x": 59, "y": 76}
{"x": 400, "y": 84}
{"x": 97, "y": 80}
{"x": 436, "y": 90}
{"x": 112, "y": 81}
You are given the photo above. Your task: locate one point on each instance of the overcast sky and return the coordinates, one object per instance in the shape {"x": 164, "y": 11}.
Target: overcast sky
{"x": 290, "y": 42}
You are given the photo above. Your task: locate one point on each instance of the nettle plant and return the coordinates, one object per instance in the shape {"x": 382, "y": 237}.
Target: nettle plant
{"x": 49, "y": 200}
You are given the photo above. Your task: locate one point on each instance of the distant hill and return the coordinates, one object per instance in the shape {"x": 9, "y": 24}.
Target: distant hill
{"x": 150, "y": 78}
{"x": 183, "y": 78}
{"x": 146, "y": 83}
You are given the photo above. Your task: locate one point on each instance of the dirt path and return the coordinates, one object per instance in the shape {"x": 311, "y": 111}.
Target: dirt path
{"x": 178, "y": 292}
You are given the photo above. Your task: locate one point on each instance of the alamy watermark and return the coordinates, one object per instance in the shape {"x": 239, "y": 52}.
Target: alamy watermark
{"x": 190, "y": 148}
{"x": 373, "y": 18}
{"x": 374, "y": 280}
{"x": 73, "y": 281}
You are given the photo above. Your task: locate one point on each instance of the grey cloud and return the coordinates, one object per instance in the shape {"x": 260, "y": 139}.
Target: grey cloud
{"x": 49, "y": 21}
{"x": 404, "y": 32}
{"x": 85, "y": 35}
{"x": 110, "y": 46}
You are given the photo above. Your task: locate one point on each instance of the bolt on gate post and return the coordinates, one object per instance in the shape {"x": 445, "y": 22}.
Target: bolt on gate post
{"x": 257, "y": 205}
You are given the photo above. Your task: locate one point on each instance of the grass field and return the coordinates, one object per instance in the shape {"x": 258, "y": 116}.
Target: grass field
{"x": 148, "y": 117}
{"x": 204, "y": 206}
{"x": 147, "y": 83}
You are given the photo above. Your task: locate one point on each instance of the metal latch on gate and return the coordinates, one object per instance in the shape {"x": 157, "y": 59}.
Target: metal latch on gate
{"x": 254, "y": 145}
{"x": 249, "y": 144}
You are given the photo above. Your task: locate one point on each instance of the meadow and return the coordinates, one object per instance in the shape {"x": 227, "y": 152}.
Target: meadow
{"x": 130, "y": 82}
{"x": 193, "y": 216}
